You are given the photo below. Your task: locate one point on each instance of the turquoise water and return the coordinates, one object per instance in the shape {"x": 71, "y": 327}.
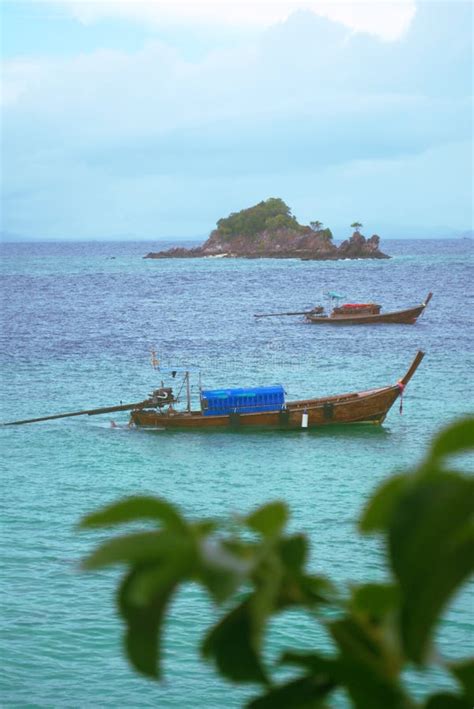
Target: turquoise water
{"x": 79, "y": 321}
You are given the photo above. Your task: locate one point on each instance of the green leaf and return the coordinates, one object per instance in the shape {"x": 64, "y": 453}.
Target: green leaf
{"x": 447, "y": 701}
{"x": 365, "y": 667}
{"x": 136, "y": 548}
{"x": 457, "y": 438}
{"x": 318, "y": 589}
{"x": 431, "y": 542}
{"x": 220, "y": 570}
{"x": 304, "y": 693}
{"x": 267, "y": 580}
{"x": 312, "y": 662}
{"x": 376, "y": 516}
{"x": 464, "y": 673}
{"x": 155, "y": 577}
{"x": 143, "y": 599}
{"x": 306, "y": 590}
{"x": 375, "y": 600}
{"x": 205, "y": 527}
{"x": 144, "y": 622}
{"x": 133, "y": 509}
{"x": 294, "y": 551}
{"x": 268, "y": 520}
{"x": 234, "y": 644}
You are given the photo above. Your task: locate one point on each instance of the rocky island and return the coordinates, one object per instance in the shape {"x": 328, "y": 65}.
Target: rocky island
{"x": 269, "y": 230}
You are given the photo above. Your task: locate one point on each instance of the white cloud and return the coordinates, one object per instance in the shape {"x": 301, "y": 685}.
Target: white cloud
{"x": 385, "y": 18}
{"x": 278, "y": 115}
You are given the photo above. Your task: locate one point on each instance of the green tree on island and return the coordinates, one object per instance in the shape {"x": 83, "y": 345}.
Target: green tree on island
{"x": 270, "y": 214}
{"x": 316, "y": 226}
{"x": 255, "y": 569}
{"x": 356, "y": 226}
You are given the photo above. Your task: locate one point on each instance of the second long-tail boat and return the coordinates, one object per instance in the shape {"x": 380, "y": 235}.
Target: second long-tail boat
{"x": 358, "y": 314}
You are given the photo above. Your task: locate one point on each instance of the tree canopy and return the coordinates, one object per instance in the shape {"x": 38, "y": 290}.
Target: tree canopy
{"x": 270, "y": 214}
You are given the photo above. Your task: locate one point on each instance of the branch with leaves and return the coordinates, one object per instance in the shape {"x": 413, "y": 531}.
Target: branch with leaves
{"x": 426, "y": 519}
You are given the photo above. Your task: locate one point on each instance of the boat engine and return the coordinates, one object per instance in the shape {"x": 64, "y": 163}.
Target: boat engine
{"x": 162, "y": 397}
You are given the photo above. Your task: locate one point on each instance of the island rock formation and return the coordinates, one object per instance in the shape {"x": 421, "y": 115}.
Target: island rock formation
{"x": 268, "y": 230}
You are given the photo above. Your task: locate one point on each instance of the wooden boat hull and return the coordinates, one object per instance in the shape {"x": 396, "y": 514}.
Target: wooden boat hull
{"x": 401, "y": 317}
{"x": 362, "y": 407}
{"x": 371, "y": 406}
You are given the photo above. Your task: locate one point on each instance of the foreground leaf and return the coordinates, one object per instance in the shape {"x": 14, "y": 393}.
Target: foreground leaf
{"x": 294, "y": 551}
{"x": 312, "y": 662}
{"x": 304, "y": 693}
{"x": 136, "y": 509}
{"x": 135, "y": 548}
{"x": 457, "y": 438}
{"x": 144, "y": 622}
{"x": 220, "y": 570}
{"x": 431, "y": 542}
{"x": 268, "y": 520}
{"x": 366, "y": 669}
{"x": 447, "y": 701}
{"x": 376, "y": 517}
{"x": 464, "y": 673}
{"x": 234, "y": 644}
{"x": 375, "y": 600}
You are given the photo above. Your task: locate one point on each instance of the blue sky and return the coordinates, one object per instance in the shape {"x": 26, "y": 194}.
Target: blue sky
{"x": 154, "y": 119}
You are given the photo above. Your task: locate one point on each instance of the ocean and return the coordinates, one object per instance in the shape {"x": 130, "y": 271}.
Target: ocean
{"x": 79, "y": 321}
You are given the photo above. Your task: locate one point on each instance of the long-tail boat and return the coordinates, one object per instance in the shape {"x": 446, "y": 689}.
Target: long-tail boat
{"x": 359, "y": 314}
{"x": 266, "y": 407}
{"x": 261, "y": 407}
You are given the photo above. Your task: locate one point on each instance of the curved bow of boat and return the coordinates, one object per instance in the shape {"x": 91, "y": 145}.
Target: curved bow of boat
{"x": 427, "y": 299}
{"x": 412, "y": 368}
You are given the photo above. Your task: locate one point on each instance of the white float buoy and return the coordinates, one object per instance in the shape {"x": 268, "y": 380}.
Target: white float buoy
{"x": 304, "y": 420}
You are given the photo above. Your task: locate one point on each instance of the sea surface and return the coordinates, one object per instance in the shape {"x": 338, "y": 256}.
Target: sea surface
{"x": 79, "y": 321}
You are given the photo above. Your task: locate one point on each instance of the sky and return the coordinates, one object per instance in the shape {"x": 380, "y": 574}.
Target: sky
{"x": 152, "y": 120}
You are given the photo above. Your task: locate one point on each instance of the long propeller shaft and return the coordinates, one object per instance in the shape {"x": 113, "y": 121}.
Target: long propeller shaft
{"x": 86, "y": 412}
{"x": 273, "y": 315}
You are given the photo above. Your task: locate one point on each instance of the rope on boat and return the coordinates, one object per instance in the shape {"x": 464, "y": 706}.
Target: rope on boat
{"x": 401, "y": 387}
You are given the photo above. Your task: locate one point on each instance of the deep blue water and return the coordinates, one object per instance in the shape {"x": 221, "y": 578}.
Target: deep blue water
{"x": 78, "y": 323}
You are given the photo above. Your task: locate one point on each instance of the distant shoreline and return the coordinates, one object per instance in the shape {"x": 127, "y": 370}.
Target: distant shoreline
{"x": 194, "y": 241}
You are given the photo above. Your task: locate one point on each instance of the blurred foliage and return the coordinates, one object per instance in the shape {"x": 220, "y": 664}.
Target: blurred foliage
{"x": 425, "y": 518}
{"x": 272, "y": 214}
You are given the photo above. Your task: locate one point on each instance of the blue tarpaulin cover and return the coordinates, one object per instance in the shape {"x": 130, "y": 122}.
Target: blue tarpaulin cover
{"x": 243, "y": 401}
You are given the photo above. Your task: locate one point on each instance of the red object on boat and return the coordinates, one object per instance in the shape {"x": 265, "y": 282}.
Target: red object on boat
{"x": 356, "y": 310}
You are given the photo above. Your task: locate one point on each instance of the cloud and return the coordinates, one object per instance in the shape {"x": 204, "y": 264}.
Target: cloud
{"x": 384, "y": 18}
{"x": 309, "y": 78}
{"x": 299, "y": 107}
